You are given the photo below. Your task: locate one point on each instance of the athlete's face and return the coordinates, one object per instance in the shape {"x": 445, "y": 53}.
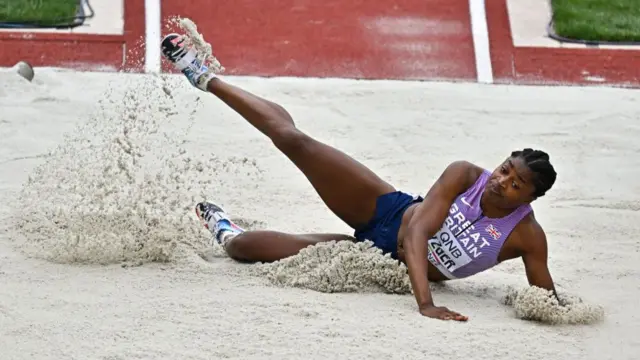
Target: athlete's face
{"x": 511, "y": 184}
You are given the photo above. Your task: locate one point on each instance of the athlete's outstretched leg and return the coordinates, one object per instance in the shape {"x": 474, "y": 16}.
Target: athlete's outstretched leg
{"x": 347, "y": 187}
{"x": 252, "y": 246}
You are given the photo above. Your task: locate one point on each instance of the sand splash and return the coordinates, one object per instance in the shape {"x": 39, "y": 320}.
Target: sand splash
{"x": 537, "y": 304}
{"x": 119, "y": 188}
{"x": 358, "y": 267}
{"x": 342, "y": 266}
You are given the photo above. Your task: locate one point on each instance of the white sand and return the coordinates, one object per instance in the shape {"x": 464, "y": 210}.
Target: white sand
{"x": 80, "y": 278}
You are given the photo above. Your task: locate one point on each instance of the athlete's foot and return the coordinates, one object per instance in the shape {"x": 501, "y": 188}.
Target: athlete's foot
{"x": 218, "y": 222}
{"x": 187, "y": 60}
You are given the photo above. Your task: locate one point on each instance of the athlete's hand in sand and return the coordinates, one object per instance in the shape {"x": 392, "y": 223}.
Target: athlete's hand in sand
{"x": 442, "y": 313}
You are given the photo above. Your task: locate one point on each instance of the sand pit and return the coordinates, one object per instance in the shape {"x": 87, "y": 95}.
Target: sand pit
{"x": 101, "y": 256}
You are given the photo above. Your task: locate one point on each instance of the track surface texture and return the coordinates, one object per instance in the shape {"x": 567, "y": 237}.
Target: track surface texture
{"x": 398, "y": 39}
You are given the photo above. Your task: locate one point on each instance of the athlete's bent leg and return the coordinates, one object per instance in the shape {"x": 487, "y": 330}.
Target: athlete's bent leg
{"x": 267, "y": 246}
{"x": 252, "y": 246}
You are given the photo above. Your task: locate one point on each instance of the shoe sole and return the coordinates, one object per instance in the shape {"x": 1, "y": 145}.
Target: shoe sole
{"x": 177, "y": 38}
{"x": 202, "y": 220}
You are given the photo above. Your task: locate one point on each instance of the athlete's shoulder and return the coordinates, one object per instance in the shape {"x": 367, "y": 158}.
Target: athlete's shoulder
{"x": 460, "y": 175}
{"x": 530, "y": 234}
{"x": 468, "y": 171}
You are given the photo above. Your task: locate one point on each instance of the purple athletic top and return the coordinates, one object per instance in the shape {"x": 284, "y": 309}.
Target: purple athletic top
{"x": 469, "y": 242}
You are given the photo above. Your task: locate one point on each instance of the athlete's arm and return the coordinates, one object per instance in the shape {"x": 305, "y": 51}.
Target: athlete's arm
{"x": 425, "y": 222}
{"x": 535, "y": 257}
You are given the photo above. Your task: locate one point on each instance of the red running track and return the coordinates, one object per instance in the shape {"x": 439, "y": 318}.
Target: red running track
{"x": 396, "y": 39}
{"x": 81, "y": 51}
{"x": 541, "y": 65}
{"x": 365, "y": 39}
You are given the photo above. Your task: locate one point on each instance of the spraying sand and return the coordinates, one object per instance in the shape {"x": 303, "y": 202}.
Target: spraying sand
{"x": 102, "y": 257}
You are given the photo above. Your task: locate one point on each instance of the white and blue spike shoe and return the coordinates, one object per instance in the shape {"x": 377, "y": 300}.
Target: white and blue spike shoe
{"x": 187, "y": 60}
{"x": 218, "y": 222}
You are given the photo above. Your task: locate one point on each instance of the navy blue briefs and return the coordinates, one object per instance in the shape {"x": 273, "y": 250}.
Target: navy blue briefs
{"x": 383, "y": 228}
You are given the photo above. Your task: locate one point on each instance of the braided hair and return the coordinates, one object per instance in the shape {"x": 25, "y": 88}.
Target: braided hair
{"x": 544, "y": 174}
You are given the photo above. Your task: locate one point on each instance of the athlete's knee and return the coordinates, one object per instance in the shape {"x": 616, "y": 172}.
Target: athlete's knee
{"x": 239, "y": 248}
{"x": 290, "y": 139}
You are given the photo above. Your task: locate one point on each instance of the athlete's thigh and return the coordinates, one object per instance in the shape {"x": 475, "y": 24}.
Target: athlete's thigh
{"x": 346, "y": 186}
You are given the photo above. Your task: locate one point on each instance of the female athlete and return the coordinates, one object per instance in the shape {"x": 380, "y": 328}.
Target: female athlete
{"x": 470, "y": 220}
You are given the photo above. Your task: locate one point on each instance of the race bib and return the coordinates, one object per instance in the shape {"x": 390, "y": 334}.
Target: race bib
{"x": 446, "y": 253}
